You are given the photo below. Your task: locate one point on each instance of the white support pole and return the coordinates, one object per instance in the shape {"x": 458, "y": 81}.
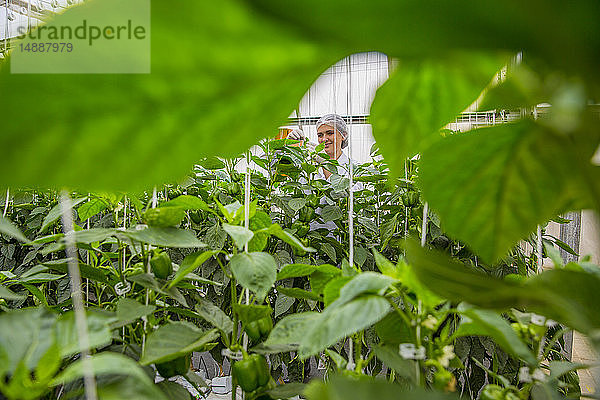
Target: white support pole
{"x": 424, "y": 226}
{"x": 247, "y": 226}
{"x": 78, "y": 307}
{"x": 351, "y": 362}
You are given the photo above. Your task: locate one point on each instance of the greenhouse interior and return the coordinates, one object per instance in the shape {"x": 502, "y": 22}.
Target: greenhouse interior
{"x": 255, "y": 199}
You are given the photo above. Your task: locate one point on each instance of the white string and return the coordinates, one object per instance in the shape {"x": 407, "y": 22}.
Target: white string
{"x": 145, "y": 319}
{"x": 7, "y": 5}
{"x": 420, "y": 304}
{"x": 6, "y": 202}
{"x": 78, "y": 307}
{"x": 87, "y": 260}
{"x": 539, "y": 249}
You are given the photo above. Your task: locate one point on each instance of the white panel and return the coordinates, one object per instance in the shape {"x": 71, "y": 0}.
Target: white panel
{"x": 330, "y": 94}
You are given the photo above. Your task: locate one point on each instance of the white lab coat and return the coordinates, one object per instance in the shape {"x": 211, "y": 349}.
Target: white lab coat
{"x": 343, "y": 170}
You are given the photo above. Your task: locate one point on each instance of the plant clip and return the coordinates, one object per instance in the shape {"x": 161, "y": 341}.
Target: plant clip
{"x": 410, "y": 352}
{"x": 122, "y": 288}
{"x": 540, "y": 320}
{"x": 322, "y": 362}
{"x": 527, "y": 377}
{"x": 232, "y": 355}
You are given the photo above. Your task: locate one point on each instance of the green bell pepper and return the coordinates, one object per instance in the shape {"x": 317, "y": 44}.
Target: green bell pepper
{"x": 178, "y": 366}
{"x": 259, "y": 330}
{"x": 252, "y": 372}
{"x": 161, "y": 265}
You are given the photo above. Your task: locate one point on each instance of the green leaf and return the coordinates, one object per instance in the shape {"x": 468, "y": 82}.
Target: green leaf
{"x": 452, "y": 280}
{"x": 126, "y": 387}
{"x": 128, "y": 310}
{"x": 559, "y": 368}
{"x": 67, "y": 333}
{"x": 49, "y": 364}
{"x": 335, "y": 323}
{"x": 10, "y": 229}
{"x": 287, "y": 390}
{"x": 406, "y": 275}
{"x": 323, "y": 272}
{"x": 174, "y": 340}
{"x": 103, "y": 364}
{"x": 250, "y": 313}
{"x": 292, "y": 328}
{"x": 41, "y": 278}
{"x": 488, "y": 323}
{"x": 163, "y": 217}
{"x": 8, "y": 294}
{"x": 394, "y": 330}
{"x": 365, "y": 283}
{"x": 25, "y": 335}
{"x": 563, "y": 295}
{"x": 239, "y": 234}
{"x": 295, "y": 271}
{"x": 341, "y": 388}
{"x": 87, "y": 271}
{"x": 517, "y": 178}
{"x": 149, "y": 282}
{"x": 554, "y": 255}
{"x": 165, "y": 237}
{"x": 331, "y": 213}
{"x": 290, "y": 239}
{"x": 190, "y": 263}
{"x": 196, "y": 278}
{"x": 410, "y": 29}
{"x": 544, "y": 391}
{"x": 332, "y": 288}
{"x": 298, "y": 293}
{"x": 282, "y": 304}
{"x": 174, "y": 391}
{"x": 421, "y": 97}
{"x": 56, "y": 212}
{"x": 255, "y": 271}
{"x": 214, "y": 315}
{"x": 522, "y": 87}
{"x": 387, "y": 229}
{"x": 339, "y": 361}
{"x": 385, "y": 266}
{"x": 296, "y": 203}
{"x": 260, "y": 240}
{"x": 212, "y": 163}
{"x": 322, "y": 275}
{"x": 329, "y": 250}
{"x": 252, "y": 67}
{"x": 91, "y": 208}
{"x": 94, "y": 235}
{"x": 390, "y": 356}
{"x": 187, "y": 202}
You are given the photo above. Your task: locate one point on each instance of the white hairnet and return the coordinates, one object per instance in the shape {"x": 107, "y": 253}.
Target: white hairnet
{"x": 336, "y": 122}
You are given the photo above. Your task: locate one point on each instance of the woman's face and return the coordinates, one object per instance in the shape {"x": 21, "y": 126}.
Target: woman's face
{"x": 332, "y": 139}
